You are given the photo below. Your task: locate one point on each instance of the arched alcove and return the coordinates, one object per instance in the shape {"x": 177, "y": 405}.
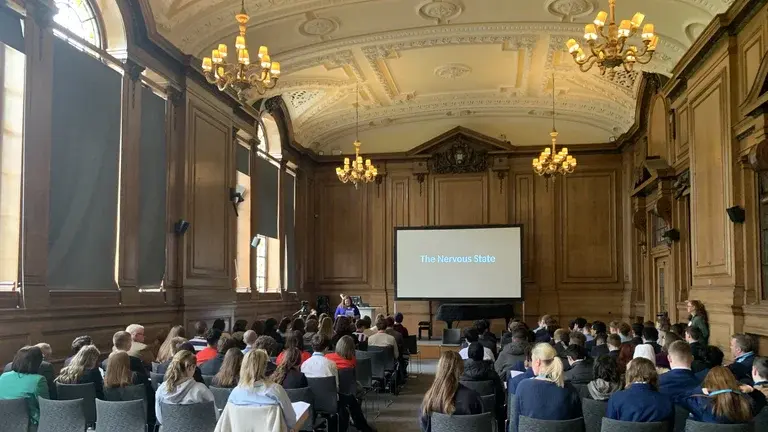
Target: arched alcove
{"x": 99, "y": 22}
{"x": 658, "y": 132}
{"x": 272, "y": 135}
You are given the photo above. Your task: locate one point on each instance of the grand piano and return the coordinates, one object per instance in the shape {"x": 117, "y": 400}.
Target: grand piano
{"x": 450, "y": 312}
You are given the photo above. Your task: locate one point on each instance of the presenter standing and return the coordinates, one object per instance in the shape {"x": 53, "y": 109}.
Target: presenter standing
{"x": 346, "y": 308}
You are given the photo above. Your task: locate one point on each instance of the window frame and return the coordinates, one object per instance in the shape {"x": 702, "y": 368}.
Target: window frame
{"x": 92, "y": 8}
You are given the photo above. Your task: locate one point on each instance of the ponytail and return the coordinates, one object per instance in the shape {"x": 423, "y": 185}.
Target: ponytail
{"x": 177, "y": 370}
{"x": 551, "y": 365}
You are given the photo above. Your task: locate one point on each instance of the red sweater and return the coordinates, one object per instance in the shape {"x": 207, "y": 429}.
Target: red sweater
{"x": 304, "y": 356}
{"x": 205, "y": 354}
{"x": 341, "y": 362}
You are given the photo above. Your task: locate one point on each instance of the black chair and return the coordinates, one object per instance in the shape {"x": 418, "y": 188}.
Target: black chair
{"x": 199, "y": 417}
{"x": 611, "y": 425}
{"x": 425, "y": 326}
{"x": 761, "y": 420}
{"x": 593, "y": 411}
{"x": 155, "y": 365}
{"x": 489, "y": 403}
{"x": 326, "y": 400}
{"x": 86, "y": 392}
{"x": 461, "y": 423}
{"x": 305, "y": 395}
{"x": 412, "y": 347}
{"x": 156, "y": 379}
{"x": 128, "y": 393}
{"x": 389, "y": 363}
{"x": 61, "y": 415}
{"x": 681, "y": 417}
{"x": 511, "y": 413}
{"x": 14, "y": 415}
{"x": 451, "y": 337}
{"x": 481, "y": 387}
{"x": 528, "y": 424}
{"x": 124, "y": 416}
{"x": 208, "y": 379}
{"x": 220, "y": 396}
{"x": 348, "y": 381}
{"x": 694, "y": 426}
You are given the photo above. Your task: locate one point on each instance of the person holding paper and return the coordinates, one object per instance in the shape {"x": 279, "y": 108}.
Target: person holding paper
{"x": 347, "y": 309}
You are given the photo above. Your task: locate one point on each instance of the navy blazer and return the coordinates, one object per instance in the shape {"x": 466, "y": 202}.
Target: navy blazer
{"x": 545, "y": 400}
{"x": 743, "y": 370}
{"x": 678, "y": 383}
{"x": 700, "y": 408}
{"x": 513, "y": 382}
{"x": 542, "y": 335}
{"x": 640, "y": 403}
{"x": 212, "y": 366}
{"x": 599, "y": 350}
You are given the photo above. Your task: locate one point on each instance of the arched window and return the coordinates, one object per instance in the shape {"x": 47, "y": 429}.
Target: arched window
{"x": 79, "y": 17}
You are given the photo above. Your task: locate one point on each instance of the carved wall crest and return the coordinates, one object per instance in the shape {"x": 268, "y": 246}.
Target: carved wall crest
{"x": 460, "y": 157}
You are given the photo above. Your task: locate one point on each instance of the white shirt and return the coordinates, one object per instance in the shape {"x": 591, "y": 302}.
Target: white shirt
{"x": 317, "y": 366}
{"x": 381, "y": 339}
{"x": 487, "y": 354}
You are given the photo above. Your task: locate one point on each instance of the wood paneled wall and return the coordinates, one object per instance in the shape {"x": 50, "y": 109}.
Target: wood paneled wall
{"x": 572, "y": 260}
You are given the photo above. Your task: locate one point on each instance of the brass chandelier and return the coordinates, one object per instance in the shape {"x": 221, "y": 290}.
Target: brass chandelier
{"x": 550, "y": 162}
{"x": 357, "y": 172}
{"x": 606, "y": 47}
{"x": 243, "y": 75}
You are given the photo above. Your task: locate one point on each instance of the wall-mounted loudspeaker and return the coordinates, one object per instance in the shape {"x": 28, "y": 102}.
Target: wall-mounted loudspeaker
{"x": 180, "y": 227}
{"x": 671, "y": 235}
{"x": 736, "y": 214}
{"x": 255, "y": 242}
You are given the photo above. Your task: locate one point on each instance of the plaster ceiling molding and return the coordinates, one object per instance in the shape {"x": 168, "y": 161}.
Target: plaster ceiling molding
{"x": 693, "y": 30}
{"x": 439, "y": 11}
{"x": 302, "y": 98}
{"x": 344, "y": 59}
{"x": 452, "y": 71}
{"x": 319, "y": 27}
{"x": 325, "y": 104}
{"x": 569, "y": 10}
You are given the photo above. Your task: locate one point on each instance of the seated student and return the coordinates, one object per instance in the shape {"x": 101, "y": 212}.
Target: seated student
{"x": 395, "y": 334}
{"x": 641, "y": 401}
{"x": 268, "y": 344}
{"x": 541, "y": 333}
{"x": 447, "y": 395}
{"x": 282, "y": 328}
{"x": 179, "y": 386}
{"x": 625, "y": 332}
{"x": 165, "y": 352}
{"x": 163, "y": 367}
{"x": 212, "y": 366}
{"x": 77, "y": 344}
{"x": 547, "y": 396}
{"x": 607, "y": 380}
{"x": 381, "y": 338}
{"x": 485, "y": 336}
{"x": 118, "y": 373}
{"x": 199, "y": 341}
{"x": 84, "y": 369}
{"x": 138, "y": 347}
{"x": 344, "y": 356}
{"x": 399, "y": 327}
{"x": 344, "y": 327}
{"x": 561, "y": 339}
{"x": 512, "y": 353}
{"x": 229, "y": 372}
{"x": 122, "y": 341}
{"x": 614, "y": 345}
{"x": 760, "y": 387}
{"x": 719, "y": 400}
{"x": 310, "y": 328}
{"x": 680, "y": 381}
{"x": 742, "y": 349}
{"x": 477, "y": 369}
{"x": 515, "y": 376}
{"x": 693, "y": 337}
{"x": 288, "y": 373}
{"x": 249, "y": 338}
{"x": 581, "y": 371}
{"x": 713, "y": 357}
{"x": 22, "y": 380}
{"x": 651, "y": 337}
{"x": 471, "y": 336}
{"x": 294, "y": 340}
{"x": 45, "y": 369}
{"x": 359, "y": 334}
{"x": 212, "y": 338}
{"x": 646, "y": 351}
{"x": 599, "y": 345}
{"x": 297, "y": 325}
{"x": 637, "y": 333}
{"x": 662, "y": 358}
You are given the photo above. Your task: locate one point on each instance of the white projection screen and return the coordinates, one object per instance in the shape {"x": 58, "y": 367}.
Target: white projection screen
{"x": 458, "y": 263}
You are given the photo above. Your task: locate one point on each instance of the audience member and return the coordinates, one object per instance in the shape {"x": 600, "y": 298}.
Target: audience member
{"x": 680, "y": 380}
{"x": 515, "y": 376}
{"x": 372, "y": 330}
{"x": 249, "y": 338}
{"x": 577, "y": 338}
{"x": 138, "y": 347}
{"x": 77, "y": 344}
{"x": 641, "y": 400}
{"x": 326, "y": 328}
{"x": 258, "y": 327}
{"x": 23, "y": 381}
{"x": 606, "y": 382}
{"x": 541, "y": 333}
{"x": 699, "y": 319}
{"x": 399, "y": 327}
{"x": 288, "y": 373}
{"x": 347, "y": 309}
{"x": 651, "y": 337}
{"x": 477, "y": 369}
{"x": 381, "y": 338}
{"x": 344, "y": 356}
{"x": 311, "y": 328}
{"x": 220, "y": 325}
{"x": 282, "y": 328}
{"x": 713, "y": 357}
{"x": 580, "y": 326}
{"x": 678, "y": 329}
{"x": 470, "y": 336}
{"x": 180, "y": 345}
{"x": 211, "y": 367}
{"x": 229, "y": 372}
{"x": 625, "y": 332}
{"x": 512, "y": 354}
{"x": 359, "y": 334}
{"x": 45, "y": 369}
{"x": 118, "y": 373}
{"x": 212, "y": 338}
{"x": 270, "y": 329}
{"x": 581, "y": 371}
{"x": 317, "y": 366}
{"x": 600, "y": 345}
{"x": 562, "y": 338}
{"x": 760, "y": 386}
{"x": 84, "y": 369}
{"x": 613, "y": 327}
{"x": 268, "y": 344}
{"x": 646, "y": 351}
{"x": 165, "y": 352}
{"x": 637, "y": 333}
{"x": 342, "y": 327}
{"x": 506, "y": 336}
{"x": 179, "y": 387}
{"x": 199, "y": 341}
{"x": 298, "y": 325}
{"x": 447, "y": 395}
{"x": 546, "y": 396}
{"x": 293, "y": 340}
{"x": 719, "y": 400}
{"x": 742, "y": 350}
{"x": 662, "y": 359}
{"x": 394, "y": 333}
{"x": 626, "y": 352}
{"x": 614, "y": 344}
{"x": 486, "y": 337}
{"x": 693, "y": 337}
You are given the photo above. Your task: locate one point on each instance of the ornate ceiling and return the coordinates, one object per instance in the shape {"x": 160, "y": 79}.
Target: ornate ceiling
{"x": 426, "y": 66}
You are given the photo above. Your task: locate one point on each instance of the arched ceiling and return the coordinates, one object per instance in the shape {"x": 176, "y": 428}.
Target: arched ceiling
{"x": 426, "y": 66}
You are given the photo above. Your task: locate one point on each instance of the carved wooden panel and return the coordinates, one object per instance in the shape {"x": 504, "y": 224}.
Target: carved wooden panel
{"x": 398, "y": 215}
{"x": 343, "y": 237}
{"x": 523, "y": 213}
{"x": 588, "y": 227}
{"x": 682, "y": 129}
{"x": 751, "y": 50}
{"x": 658, "y": 131}
{"x": 208, "y": 207}
{"x": 470, "y": 209}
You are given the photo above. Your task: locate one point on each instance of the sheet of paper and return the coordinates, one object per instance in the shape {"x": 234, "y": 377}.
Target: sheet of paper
{"x": 300, "y": 408}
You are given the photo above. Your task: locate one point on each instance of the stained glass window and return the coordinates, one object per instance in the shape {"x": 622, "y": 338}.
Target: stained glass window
{"x": 79, "y": 17}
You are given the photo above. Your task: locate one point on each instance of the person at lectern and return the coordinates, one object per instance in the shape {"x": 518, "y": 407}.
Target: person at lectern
{"x": 347, "y": 309}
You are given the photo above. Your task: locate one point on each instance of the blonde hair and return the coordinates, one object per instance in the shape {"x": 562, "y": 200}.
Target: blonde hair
{"x": 326, "y": 327}
{"x": 46, "y": 349}
{"x": 177, "y": 371}
{"x": 551, "y": 367}
{"x": 84, "y": 360}
{"x": 440, "y": 396}
{"x": 254, "y": 368}
{"x": 345, "y": 347}
{"x": 118, "y": 372}
{"x": 165, "y": 352}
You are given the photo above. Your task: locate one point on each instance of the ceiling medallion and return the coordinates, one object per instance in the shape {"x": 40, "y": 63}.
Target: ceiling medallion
{"x": 452, "y": 71}
{"x": 440, "y": 11}
{"x": 318, "y": 27}
{"x": 568, "y": 10}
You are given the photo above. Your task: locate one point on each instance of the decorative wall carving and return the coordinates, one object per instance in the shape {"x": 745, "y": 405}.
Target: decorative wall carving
{"x": 441, "y": 11}
{"x": 682, "y": 185}
{"x": 459, "y": 157}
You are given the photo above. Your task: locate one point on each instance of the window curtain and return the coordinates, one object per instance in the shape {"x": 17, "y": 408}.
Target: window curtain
{"x": 152, "y": 190}
{"x": 84, "y": 171}
{"x": 10, "y": 28}
{"x": 289, "y": 192}
{"x": 266, "y": 182}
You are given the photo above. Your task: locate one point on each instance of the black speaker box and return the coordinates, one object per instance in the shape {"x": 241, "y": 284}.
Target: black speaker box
{"x": 736, "y": 214}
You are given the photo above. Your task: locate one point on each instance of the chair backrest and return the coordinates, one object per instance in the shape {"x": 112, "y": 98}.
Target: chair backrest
{"x": 304, "y": 395}
{"x": 155, "y": 365}
{"x": 220, "y": 396}
{"x": 324, "y": 390}
{"x": 61, "y": 415}
{"x": 461, "y": 423}
{"x": 593, "y": 411}
{"x": 512, "y": 412}
{"x": 529, "y": 424}
{"x": 489, "y": 403}
{"x": 347, "y": 381}
{"x": 681, "y": 417}
{"x": 761, "y": 420}
{"x": 86, "y": 392}
{"x": 199, "y": 417}
{"x": 611, "y": 425}
{"x": 156, "y": 379}
{"x": 208, "y": 380}
{"x": 378, "y": 363}
{"x": 694, "y": 426}
{"x": 128, "y": 393}
{"x": 389, "y": 355}
{"x": 359, "y": 354}
{"x": 14, "y": 415}
{"x": 410, "y": 344}
{"x": 364, "y": 372}
{"x": 482, "y": 387}
{"x": 451, "y": 337}
{"x": 123, "y": 416}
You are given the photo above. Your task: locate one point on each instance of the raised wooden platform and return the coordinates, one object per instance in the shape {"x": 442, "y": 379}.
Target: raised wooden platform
{"x": 431, "y": 349}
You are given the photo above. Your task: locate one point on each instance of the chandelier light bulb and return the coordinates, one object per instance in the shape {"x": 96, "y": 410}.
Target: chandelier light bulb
{"x": 223, "y": 51}
{"x": 275, "y": 70}
{"x": 572, "y": 45}
{"x": 240, "y": 42}
{"x": 648, "y": 32}
{"x": 263, "y": 51}
{"x": 600, "y": 18}
{"x": 625, "y": 28}
{"x": 590, "y": 32}
{"x": 637, "y": 20}
{"x": 207, "y": 64}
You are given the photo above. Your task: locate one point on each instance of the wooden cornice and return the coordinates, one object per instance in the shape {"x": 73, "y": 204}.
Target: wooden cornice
{"x": 650, "y": 84}
{"x": 494, "y": 143}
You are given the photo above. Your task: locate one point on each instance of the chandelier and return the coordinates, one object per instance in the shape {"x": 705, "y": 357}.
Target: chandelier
{"x": 607, "y": 49}
{"x": 550, "y": 162}
{"x": 242, "y": 75}
{"x": 357, "y": 172}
